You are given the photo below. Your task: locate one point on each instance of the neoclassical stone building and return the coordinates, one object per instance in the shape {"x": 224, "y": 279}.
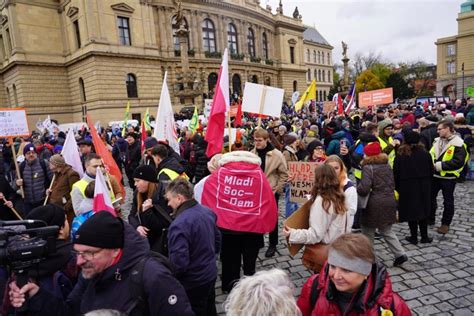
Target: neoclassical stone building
{"x": 67, "y": 58}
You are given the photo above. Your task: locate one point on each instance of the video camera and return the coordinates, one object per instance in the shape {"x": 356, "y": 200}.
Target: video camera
{"x": 23, "y": 245}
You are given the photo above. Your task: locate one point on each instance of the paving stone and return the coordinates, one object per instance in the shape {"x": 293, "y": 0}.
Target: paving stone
{"x": 462, "y": 312}
{"x": 445, "y": 277}
{"x": 428, "y": 299}
{"x": 410, "y": 294}
{"x": 428, "y": 289}
{"x": 444, "y": 306}
{"x": 426, "y": 310}
{"x": 412, "y": 284}
{"x": 444, "y": 295}
{"x": 460, "y": 302}
{"x": 461, "y": 274}
{"x": 413, "y": 304}
{"x": 461, "y": 291}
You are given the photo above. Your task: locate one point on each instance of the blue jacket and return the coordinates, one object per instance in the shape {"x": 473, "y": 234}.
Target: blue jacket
{"x": 334, "y": 145}
{"x": 193, "y": 243}
{"x": 111, "y": 289}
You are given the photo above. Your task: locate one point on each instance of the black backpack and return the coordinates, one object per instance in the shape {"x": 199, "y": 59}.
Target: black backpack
{"x": 136, "y": 282}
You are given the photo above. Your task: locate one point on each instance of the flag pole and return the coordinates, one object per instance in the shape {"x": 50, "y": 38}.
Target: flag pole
{"x": 17, "y": 168}
{"x": 262, "y": 100}
{"x": 49, "y": 189}
{"x": 13, "y": 209}
{"x": 230, "y": 133}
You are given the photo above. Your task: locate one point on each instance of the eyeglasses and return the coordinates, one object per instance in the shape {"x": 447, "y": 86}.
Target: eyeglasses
{"x": 86, "y": 255}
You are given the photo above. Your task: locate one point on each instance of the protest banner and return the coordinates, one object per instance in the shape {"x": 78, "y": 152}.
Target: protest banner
{"x": 328, "y": 107}
{"x": 303, "y": 179}
{"x": 295, "y": 96}
{"x": 260, "y": 99}
{"x": 13, "y": 123}
{"x": 207, "y": 107}
{"x": 375, "y": 97}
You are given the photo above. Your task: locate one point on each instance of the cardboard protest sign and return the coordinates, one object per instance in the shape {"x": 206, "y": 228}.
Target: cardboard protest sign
{"x": 13, "y": 123}
{"x": 328, "y": 107}
{"x": 298, "y": 220}
{"x": 376, "y": 97}
{"x": 303, "y": 179}
{"x": 260, "y": 99}
{"x": 207, "y": 107}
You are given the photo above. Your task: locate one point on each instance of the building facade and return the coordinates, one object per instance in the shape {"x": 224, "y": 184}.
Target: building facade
{"x": 318, "y": 61}
{"x": 69, "y": 58}
{"x": 455, "y": 56}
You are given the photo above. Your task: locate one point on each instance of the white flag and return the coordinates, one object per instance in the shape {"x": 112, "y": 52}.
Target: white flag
{"x": 165, "y": 127}
{"x": 70, "y": 153}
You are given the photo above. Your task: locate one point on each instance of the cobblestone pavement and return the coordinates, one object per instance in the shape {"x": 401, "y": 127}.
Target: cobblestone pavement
{"x": 438, "y": 279}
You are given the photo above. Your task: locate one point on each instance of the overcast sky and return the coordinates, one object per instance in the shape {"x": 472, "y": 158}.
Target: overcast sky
{"x": 400, "y": 30}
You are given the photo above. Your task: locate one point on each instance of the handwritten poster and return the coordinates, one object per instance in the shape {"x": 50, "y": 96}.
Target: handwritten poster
{"x": 13, "y": 123}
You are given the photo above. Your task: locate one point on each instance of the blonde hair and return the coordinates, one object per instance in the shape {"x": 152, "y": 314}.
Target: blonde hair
{"x": 342, "y": 176}
{"x": 264, "y": 294}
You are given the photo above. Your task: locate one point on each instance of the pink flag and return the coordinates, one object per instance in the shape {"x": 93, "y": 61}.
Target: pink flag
{"x": 102, "y": 200}
{"x": 220, "y": 105}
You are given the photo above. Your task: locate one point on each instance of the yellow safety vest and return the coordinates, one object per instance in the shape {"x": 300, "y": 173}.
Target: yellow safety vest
{"x": 391, "y": 155}
{"x": 81, "y": 186}
{"x": 357, "y": 171}
{"x": 173, "y": 174}
{"x": 448, "y": 156}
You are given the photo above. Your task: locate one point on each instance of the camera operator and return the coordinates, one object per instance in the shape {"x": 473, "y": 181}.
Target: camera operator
{"x": 57, "y": 274}
{"x": 118, "y": 272}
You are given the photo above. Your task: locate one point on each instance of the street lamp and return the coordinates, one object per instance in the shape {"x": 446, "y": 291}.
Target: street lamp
{"x": 462, "y": 68}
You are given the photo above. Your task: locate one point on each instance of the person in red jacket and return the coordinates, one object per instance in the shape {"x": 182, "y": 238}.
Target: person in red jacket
{"x": 351, "y": 283}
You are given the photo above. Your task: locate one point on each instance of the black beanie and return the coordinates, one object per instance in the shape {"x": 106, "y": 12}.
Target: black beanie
{"x": 102, "y": 230}
{"x": 147, "y": 173}
{"x": 411, "y": 137}
{"x": 52, "y": 214}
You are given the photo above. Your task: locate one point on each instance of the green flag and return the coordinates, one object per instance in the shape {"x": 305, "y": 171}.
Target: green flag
{"x": 193, "y": 125}
{"x": 147, "y": 120}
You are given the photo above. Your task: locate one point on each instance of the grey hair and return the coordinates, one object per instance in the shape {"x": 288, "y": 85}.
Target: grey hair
{"x": 181, "y": 186}
{"x": 263, "y": 294}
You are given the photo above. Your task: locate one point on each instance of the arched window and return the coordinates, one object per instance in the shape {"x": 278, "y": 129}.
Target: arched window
{"x": 314, "y": 56}
{"x": 329, "y": 59}
{"x": 317, "y": 96}
{"x": 265, "y": 45}
{"x": 15, "y": 96}
{"x": 237, "y": 84}
{"x": 251, "y": 42}
{"x": 315, "y": 74}
{"x": 308, "y": 55}
{"x": 321, "y": 96}
{"x": 8, "y": 98}
{"x": 175, "y": 27}
{"x": 325, "y": 96}
{"x": 322, "y": 55}
{"x": 329, "y": 76}
{"x": 309, "y": 74}
{"x": 211, "y": 82}
{"x": 232, "y": 39}
{"x": 319, "y": 75}
{"x": 295, "y": 86}
{"x": 209, "y": 36}
{"x": 324, "y": 76}
{"x": 268, "y": 81}
{"x": 254, "y": 79}
{"x": 82, "y": 90}
{"x": 131, "y": 82}
{"x": 319, "y": 57}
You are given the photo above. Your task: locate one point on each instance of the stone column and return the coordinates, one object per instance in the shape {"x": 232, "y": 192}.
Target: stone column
{"x": 91, "y": 18}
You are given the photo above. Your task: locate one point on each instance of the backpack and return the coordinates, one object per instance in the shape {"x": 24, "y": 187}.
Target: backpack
{"x": 136, "y": 281}
{"x": 348, "y": 185}
{"x": 45, "y": 171}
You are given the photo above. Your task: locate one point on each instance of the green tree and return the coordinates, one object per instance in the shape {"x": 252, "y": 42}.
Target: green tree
{"x": 381, "y": 70}
{"x": 368, "y": 81}
{"x": 401, "y": 89}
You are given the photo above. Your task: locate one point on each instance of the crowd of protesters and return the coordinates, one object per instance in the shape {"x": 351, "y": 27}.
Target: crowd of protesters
{"x": 376, "y": 167}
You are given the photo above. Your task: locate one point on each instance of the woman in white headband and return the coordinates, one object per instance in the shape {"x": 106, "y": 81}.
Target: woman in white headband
{"x": 351, "y": 283}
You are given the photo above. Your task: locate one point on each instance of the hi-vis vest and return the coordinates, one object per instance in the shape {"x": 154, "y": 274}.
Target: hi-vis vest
{"x": 357, "y": 171}
{"x": 448, "y": 156}
{"x": 173, "y": 174}
{"x": 391, "y": 155}
{"x": 81, "y": 186}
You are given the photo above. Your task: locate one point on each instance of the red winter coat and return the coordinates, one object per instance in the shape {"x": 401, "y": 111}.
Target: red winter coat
{"x": 240, "y": 195}
{"x": 375, "y": 294}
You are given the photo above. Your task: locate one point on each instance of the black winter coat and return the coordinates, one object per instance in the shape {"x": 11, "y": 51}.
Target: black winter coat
{"x": 111, "y": 289}
{"x": 134, "y": 156}
{"x": 200, "y": 147}
{"x": 413, "y": 175}
{"x": 169, "y": 163}
{"x": 6, "y": 214}
{"x": 428, "y": 135}
{"x": 377, "y": 179}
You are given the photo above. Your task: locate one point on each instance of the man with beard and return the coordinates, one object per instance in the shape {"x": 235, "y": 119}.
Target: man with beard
{"x": 112, "y": 256}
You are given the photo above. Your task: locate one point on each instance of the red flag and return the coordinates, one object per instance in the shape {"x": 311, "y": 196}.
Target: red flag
{"x": 102, "y": 200}
{"x": 144, "y": 135}
{"x": 220, "y": 105}
{"x": 107, "y": 158}
{"x": 238, "y": 116}
{"x": 340, "y": 106}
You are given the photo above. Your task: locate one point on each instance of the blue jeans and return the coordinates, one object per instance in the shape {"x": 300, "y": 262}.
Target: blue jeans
{"x": 290, "y": 207}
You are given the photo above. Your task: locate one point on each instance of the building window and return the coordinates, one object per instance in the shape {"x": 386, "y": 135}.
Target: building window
{"x": 254, "y": 79}
{"x": 314, "y": 56}
{"x": 329, "y": 59}
{"x": 15, "y": 96}
{"x": 315, "y": 74}
{"x": 251, "y": 42}
{"x": 175, "y": 28}
{"x": 325, "y": 96}
{"x": 329, "y": 76}
{"x": 451, "y": 50}
{"x": 451, "y": 67}
{"x": 211, "y": 82}
{"x": 319, "y": 57}
{"x": 82, "y": 90}
{"x": 321, "y": 96}
{"x": 324, "y": 76}
{"x": 209, "y": 36}
{"x": 124, "y": 30}
{"x": 308, "y": 55}
{"x": 77, "y": 33}
{"x": 8, "y": 97}
{"x": 292, "y": 55}
{"x": 9, "y": 47}
{"x": 295, "y": 86}
{"x": 319, "y": 75}
{"x": 265, "y": 45}
{"x": 309, "y": 74}
{"x": 322, "y": 55}
{"x": 232, "y": 39}
{"x": 131, "y": 82}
